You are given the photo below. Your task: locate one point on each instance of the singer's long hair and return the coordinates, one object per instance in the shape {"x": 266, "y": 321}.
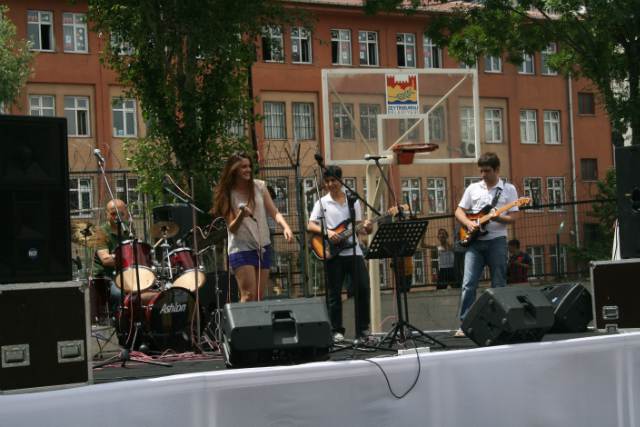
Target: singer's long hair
{"x": 222, "y": 192}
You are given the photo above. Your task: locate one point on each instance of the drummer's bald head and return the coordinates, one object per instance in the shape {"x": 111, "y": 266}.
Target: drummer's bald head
{"x": 111, "y": 211}
{"x": 121, "y": 206}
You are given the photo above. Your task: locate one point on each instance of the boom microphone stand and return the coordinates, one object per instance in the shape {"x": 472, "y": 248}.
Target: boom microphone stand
{"x": 125, "y": 354}
{"x": 325, "y": 236}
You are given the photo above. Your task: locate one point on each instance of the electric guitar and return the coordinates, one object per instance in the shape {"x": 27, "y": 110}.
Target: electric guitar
{"x": 481, "y": 218}
{"x": 331, "y": 249}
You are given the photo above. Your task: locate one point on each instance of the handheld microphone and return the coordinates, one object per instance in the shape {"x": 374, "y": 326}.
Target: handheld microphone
{"x": 241, "y": 207}
{"x": 99, "y": 155}
{"x": 370, "y": 157}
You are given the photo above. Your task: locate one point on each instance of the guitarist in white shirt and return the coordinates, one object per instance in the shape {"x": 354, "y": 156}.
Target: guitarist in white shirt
{"x": 336, "y": 211}
{"x": 491, "y": 249}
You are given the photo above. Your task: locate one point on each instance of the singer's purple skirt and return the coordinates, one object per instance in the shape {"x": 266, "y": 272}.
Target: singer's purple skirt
{"x": 251, "y": 258}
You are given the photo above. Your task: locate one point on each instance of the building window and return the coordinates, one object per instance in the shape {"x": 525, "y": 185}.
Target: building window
{"x": 555, "y": 193}
{"x": 300, "y": 46}
{"x": 533, "y": 190}
{"x": 40, "y": 29}
{"x": 365, "y": 208}
{"x": 551, "y": 49}
{"x": 368, "y": 121}
{"x": 235, "y": 128}
{"x": 432, "y": 54}
{"x": 492, "y": 64}
{"x": 348, "y": 182}
{"x": 303, "y": 124}
{"x": 310, "y": 196}
{"x": 341, "y": 47}
{"x": 80, "y": 197}
{"x": 124, "y": 117}
{"x": 436, "y": 123}
{"x": 126, "y": 191}
{"x": 40, "y": 105}
{"x": 527, "y": 66}
{"x": 406, "y": 50}
{"x": 342, "y": 127}
{"x": 537, "y": 256}
{"x": 493, "y": 124}
{"x": 411, "y": 194}
{"x": 470, "y": 180}
{"x": 124, "y": 48}
{"x": 553, "y": 259}
{"x": 591, "y": 233}
{"x": 589, "y": 169}
{"x": 74, "y": 30}
{"x": 436, "y": 195}
{"x": 280, "y": 187}
{"x": 551, "y": 127}
{"x": 468, "y": 124}
{"x": 586, "y": 103}
{"x": 468, "y": 67}
{"x": 405, "y": 125}
{"x": 272, "y": 45}
{"x": 274, "y": 120}
{"x": 368, "y": 48}
{"x": 76, "y": 110}
{"x": 528, "y": 127}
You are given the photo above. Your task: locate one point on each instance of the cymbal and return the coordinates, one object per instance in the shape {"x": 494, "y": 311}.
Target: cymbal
{"x": 84, "y": 233}
{"x": 215, "y": 236}
{"x": 159, "y": 229}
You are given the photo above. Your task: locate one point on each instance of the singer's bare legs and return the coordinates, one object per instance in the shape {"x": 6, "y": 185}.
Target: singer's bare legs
{"x": 247, "y": 277}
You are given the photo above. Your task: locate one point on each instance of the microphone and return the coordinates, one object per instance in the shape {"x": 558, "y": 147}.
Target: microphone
{"x": 241, "y": 207}
{"x": 370, "y": 157}
{"x": 99, "y": 155}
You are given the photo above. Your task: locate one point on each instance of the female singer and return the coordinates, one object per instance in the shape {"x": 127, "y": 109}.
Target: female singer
{"x": 248, "y": 248}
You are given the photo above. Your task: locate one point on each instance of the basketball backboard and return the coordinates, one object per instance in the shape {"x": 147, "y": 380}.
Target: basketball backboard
{"x": 370, "y": 111}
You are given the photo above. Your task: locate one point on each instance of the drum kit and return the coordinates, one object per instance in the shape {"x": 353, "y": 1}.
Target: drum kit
{"x": 167, "y": 287}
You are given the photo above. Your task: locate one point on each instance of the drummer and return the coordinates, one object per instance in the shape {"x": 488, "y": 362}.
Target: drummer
{"x": 104, "y": 264}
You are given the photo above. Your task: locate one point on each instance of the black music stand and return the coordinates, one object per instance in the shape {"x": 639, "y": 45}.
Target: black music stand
{"x": 399, "y": 240}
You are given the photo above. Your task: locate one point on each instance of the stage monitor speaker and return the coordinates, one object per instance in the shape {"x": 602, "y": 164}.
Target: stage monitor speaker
{"x": 572, "y": 307}
{"x": 616, "y": 294}
{"x": 34, "y": 193}
{"x": 508, "y": 316}
{"x": 180, "y": 214}
{"x": 628, "y": 184}
{"x": 267, "y": 333}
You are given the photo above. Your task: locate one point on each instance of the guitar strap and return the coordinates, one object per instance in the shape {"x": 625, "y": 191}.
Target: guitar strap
{"x": 494, "y": 202}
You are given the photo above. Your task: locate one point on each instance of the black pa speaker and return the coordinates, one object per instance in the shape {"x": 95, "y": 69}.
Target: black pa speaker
{"x": 628, "y": 184}
{"x": 34, "y": 192}
{"x": 572, "y": 307}
{"x": 508, "y": 316}
{"x": 267, "y": 333}
{"x": 179, "y": 214}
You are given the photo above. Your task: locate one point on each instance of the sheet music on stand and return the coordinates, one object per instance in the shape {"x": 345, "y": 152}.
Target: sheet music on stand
{"x": 397, "y": 238}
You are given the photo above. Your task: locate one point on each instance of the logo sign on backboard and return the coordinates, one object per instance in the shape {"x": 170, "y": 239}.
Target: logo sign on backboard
{"x": 402, "y": 94}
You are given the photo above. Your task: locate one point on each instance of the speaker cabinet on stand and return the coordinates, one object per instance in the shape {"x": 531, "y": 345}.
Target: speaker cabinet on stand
{"x": 628, "y": 186}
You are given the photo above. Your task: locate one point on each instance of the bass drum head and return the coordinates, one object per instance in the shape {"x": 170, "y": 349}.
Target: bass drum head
{"x": 128, "y": 277}
{"x": 188, "y": 280}
{"x": 169, "y": 319}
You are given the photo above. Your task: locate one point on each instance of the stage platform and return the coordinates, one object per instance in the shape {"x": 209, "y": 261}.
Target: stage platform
{"x": 589, "y": 379}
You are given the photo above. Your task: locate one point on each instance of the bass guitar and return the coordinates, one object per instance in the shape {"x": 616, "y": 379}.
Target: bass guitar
{"x": 331, "y": 249}
{"x": 482, "y": 218}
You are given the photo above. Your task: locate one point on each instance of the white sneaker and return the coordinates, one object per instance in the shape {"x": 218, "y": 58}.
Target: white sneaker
{"x": 338, "y": 337}
{"x": 459, "y": 334}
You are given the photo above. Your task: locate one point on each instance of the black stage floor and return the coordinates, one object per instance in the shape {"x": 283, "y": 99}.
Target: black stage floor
{"x": 212, "y": 361}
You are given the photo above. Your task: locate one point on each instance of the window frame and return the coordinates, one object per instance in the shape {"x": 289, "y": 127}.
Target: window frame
{"x": 551, "y": 195}
{"x": 124, "y": 111}
{"x": 411, "y": 188}
{"x": 468, "y": 180}
{"x": 75, "y": 29}
{"x": 280, "y": 184}
{"x": 438, "y": 187}
{"x": 302, "y": 37}
{"x": 338, "y": 47}
{"x": 537, "y": 257}
{"x": 553, "y": 262}
{"x": 467, "y": 124}
{"x": 367, "y": 45}
{"x": 269, "y": 125}
{"x": 342, "y": 117}
{"x": 489, "y": 123}
{"x": 437, "y": 116}
{"x": 77, "y": 111}
{"x": 371, "y": 121}
{"x": 126, "y": 191}
{"x": 404, "y": 124}
{"x": 546, "y": 71}
{"x": 528, "y": 120}
{"x": 528, "y": 59}
{"x": 267, "y": 48}
{"x": 489, "y": 60}
{"x": 584, "y": 170}
{"x": 550, "y": 123}
{"x": 365, "y": 208}
{"x": 582, "y": 97}
{"x": 431, "y": 51}
{"x": 302, "y": 118}
{"x": 124, "y": 47}
{"x": 534, "y": 193}
{"x": 40, "y": 108}
{"x": 404, "y": 45}
{"x": 39, "y": 24}
{"x": 80, "y": 191}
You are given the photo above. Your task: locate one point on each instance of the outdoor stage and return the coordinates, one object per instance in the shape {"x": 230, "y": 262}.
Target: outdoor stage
{"x": 589, "y": 379}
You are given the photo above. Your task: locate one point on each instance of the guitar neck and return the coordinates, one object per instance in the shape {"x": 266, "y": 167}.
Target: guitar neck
{"x": 487, "y": 217}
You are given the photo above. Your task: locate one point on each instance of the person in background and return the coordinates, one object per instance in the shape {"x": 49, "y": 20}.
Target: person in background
{"x": 446, "y": 271}
{"x": 458, "y": 259}
{"x": 520, "y": 263}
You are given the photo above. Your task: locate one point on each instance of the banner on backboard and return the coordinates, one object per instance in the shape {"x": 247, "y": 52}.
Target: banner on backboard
{"x": 402, "y": 94}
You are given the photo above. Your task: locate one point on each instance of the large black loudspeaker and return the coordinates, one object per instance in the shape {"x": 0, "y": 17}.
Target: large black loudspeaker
{"x": 628, "y": 183}
{"x": 179, "y": 214}
{"x": 279, "y": 332}
{"x": 227, "y": 293}
{"x": 34, "y": 197}
{"x": 508, "y": 316}
{"x": 572, "y": 306}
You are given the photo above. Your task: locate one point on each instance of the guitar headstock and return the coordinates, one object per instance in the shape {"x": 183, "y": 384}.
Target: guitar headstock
{"x": 523, "y": 201}
{"x": 394, "y": 209}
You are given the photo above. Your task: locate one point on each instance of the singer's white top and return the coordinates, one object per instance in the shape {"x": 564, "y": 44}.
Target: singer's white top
{"x": 247, "y": 237}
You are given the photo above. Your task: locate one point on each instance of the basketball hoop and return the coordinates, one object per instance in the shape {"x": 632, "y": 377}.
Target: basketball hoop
{"x": 407, "y": 150}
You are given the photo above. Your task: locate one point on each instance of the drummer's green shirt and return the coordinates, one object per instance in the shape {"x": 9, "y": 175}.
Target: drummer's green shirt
{"x": 98, "y": 268}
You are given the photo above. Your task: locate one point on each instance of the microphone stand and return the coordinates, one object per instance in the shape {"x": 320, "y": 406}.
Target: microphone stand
{"x": 125, "y": 354}
{"x": 325, "y": 236}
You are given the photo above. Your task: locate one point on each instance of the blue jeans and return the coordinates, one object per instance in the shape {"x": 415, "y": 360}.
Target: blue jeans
{"x": 114, "y": 299}
{"x": 492, "y": 253}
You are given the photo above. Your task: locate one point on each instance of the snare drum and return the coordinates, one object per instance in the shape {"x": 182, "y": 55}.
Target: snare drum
{"x": 184, "y": 261}
{"x": 99, "y": 293}
{"x": 145, "y": 262}
{"x": 166, "y": 318}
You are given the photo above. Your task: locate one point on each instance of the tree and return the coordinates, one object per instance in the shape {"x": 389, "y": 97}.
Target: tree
{"x": 16, "y": 62}
{"x": 187, "y": 62}
{"x": 599, "y": 40}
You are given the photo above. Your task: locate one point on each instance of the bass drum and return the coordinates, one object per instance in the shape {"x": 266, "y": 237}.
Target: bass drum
{"x": 166, "y": 317}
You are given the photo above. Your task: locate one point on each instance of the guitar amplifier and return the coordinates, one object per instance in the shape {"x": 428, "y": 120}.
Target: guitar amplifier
{"x": 44, "y": 337}
{"x": 616, "y": 294}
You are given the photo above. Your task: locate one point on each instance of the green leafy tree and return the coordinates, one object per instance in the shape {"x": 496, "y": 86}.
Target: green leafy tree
{"x": 606, "y": 212}
{"x": 599, "y": 40}
{"x": 16, "y": 62}
{"x": 187, "y": 62}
